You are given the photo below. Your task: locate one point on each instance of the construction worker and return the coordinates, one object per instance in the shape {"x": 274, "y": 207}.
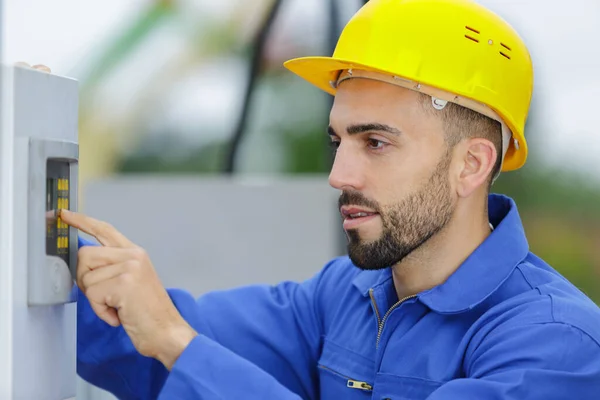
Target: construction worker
{"x": 439, "y": 296}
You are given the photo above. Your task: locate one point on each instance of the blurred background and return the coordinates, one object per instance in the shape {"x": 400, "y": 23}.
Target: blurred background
{"x": 167, "y": 84}
{"x": 177, "y": 94}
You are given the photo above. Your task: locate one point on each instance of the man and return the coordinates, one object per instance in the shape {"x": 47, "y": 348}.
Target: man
{"x": 439, "y": 297}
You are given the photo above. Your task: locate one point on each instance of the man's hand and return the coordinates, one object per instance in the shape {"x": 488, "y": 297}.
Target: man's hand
{"x": 123, "y": 288}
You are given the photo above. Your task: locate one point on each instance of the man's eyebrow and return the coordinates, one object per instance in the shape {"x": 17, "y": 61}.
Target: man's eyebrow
{"x": 361, "y": 128}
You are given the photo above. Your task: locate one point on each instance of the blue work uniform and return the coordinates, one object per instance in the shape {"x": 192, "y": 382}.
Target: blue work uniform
{"x": 504, "y": 325}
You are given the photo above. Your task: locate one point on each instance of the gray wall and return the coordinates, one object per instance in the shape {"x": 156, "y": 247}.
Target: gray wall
{"x": 214, "y": 233}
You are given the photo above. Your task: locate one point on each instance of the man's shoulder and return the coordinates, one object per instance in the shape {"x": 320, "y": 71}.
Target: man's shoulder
{"x": 546, "y": 298}
{"x": 566, "y": 301}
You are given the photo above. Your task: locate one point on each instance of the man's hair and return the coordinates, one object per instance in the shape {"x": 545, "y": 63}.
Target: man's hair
{"x": 462, "y": 123}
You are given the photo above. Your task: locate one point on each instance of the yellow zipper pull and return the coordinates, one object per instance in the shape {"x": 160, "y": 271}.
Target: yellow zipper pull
{"x": 359, "y": 385}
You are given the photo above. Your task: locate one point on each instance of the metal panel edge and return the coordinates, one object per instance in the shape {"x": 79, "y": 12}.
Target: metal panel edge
{"x": 6, "y": 232}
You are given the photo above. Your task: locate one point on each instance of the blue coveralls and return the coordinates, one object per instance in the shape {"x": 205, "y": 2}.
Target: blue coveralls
{"x": 505, "y": 325}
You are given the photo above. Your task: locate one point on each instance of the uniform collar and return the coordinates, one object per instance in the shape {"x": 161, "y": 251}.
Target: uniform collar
{"x": 481, "y": 273}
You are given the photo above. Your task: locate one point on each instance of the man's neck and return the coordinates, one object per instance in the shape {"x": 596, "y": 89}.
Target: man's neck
{"x": 437, "y": 259}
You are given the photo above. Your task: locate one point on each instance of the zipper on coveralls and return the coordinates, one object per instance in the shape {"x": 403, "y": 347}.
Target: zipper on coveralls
{"x": 381, "y": 321}
{"x": 351, "y": 383}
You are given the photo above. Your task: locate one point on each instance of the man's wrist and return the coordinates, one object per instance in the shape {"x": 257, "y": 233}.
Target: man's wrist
{"x": 175, "y": 341}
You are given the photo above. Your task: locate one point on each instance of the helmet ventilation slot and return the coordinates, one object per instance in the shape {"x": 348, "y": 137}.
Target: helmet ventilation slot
{"x": 471, "y": 36}
{"x": 507, "y": 48}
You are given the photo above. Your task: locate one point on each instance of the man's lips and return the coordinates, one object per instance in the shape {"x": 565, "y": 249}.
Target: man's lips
{"x": 354, "y": 216}
{"x": 355, "y": 212}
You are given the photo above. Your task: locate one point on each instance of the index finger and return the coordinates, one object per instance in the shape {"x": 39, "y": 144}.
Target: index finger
{"x": 106, "y": 234}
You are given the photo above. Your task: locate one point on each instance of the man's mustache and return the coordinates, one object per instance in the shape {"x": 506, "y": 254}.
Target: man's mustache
{"x": 357, "y": 199}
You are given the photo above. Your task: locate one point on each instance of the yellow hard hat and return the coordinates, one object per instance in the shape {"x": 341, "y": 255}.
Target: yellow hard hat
{"x": 452, "y": 50}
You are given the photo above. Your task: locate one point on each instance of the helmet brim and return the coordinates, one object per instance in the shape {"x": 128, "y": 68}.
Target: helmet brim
{"x": 323, "y": 71}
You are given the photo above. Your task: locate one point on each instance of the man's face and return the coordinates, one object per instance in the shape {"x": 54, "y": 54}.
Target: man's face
{"x": 391, "y": 165}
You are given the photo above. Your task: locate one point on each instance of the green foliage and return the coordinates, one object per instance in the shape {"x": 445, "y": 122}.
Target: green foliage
{"x": 307, "y": 153}
{"x": 203, "y": 159}
{"x": 552, "y": 190}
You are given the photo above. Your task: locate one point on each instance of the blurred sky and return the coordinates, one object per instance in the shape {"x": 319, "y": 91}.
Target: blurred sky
{"x": 563, "y": 37}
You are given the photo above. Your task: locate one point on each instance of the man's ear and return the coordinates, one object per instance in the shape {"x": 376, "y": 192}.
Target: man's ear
{"x": 477, "y": 162}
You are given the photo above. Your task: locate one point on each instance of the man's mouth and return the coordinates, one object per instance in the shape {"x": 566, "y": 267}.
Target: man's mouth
{"x": 353, "y": 216}
{"x": 355, "y": 212}
{"x": 358, "y": 214}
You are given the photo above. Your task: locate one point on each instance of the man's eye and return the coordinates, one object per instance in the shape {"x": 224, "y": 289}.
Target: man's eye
{"x": 334, "y": 144}
{"x": 376, "y": 144}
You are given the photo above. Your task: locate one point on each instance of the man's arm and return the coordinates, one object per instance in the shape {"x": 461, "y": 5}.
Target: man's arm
{"x": 263, "y": 343}
{"x": 542, "y": 361}
{"x": 254, "y": 342}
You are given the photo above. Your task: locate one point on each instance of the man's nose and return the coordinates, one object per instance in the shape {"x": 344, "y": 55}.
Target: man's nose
{"x": 346, "y": 173}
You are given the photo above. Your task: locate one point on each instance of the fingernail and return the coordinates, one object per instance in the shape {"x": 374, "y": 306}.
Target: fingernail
{"x": 41, "y": 67}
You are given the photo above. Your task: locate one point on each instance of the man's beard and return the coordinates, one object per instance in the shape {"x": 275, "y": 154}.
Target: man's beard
{"x": 406, "y": 225}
